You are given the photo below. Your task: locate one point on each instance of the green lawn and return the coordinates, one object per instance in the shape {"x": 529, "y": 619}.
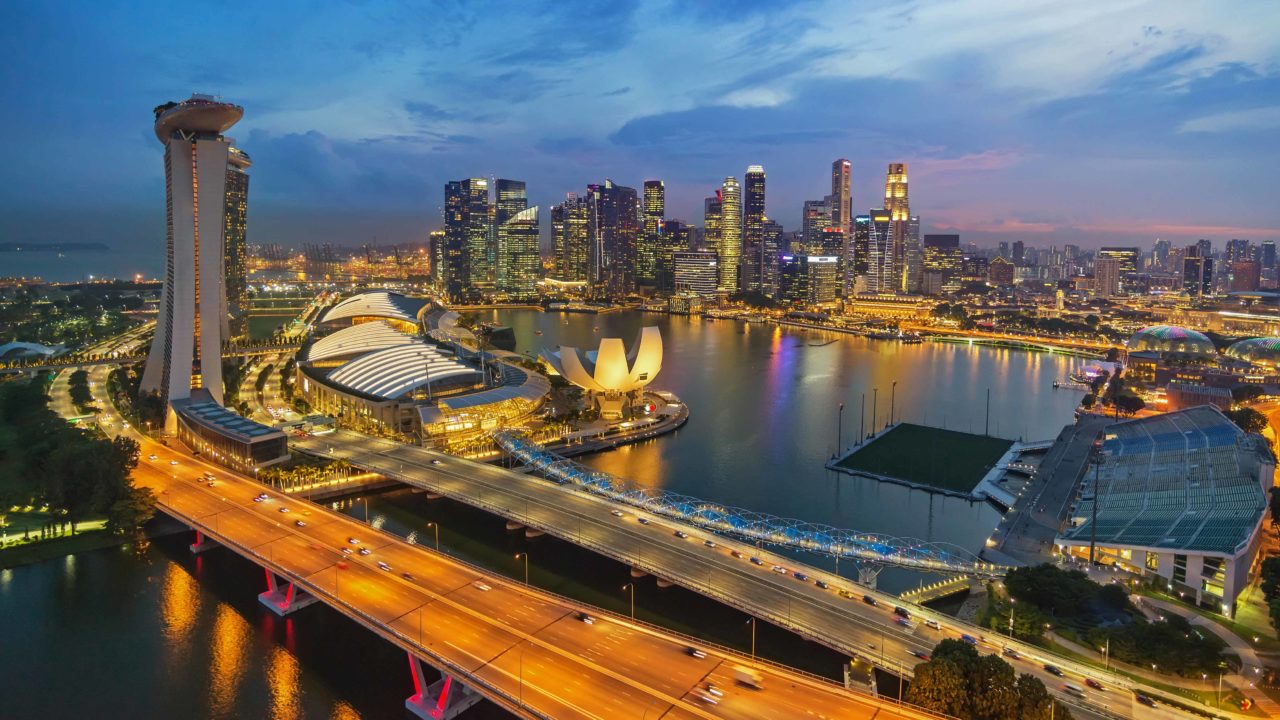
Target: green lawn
{"x": 945, "y": 459}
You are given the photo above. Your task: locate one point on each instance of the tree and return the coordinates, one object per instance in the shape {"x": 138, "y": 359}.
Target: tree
{"x": 1087, "y": 401}
{"x": 1248, "y": 420}
{"x": 1128, "y": 404}
{"x": 1246, "y": 393}
{"x": 132, "y": 511}
{"x": 1275, "y": 506}
{"x": 960, "y": 682}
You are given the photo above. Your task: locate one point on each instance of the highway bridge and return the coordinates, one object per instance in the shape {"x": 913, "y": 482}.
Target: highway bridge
{"x": 534, "y": 654}
{"x": 92, "y": 360}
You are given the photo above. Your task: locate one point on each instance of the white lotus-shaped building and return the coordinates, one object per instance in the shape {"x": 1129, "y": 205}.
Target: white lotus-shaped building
{"x": 610, "y": 371}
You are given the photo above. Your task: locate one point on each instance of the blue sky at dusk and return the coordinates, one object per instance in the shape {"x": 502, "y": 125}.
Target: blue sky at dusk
{"x": 1050, "y": 122}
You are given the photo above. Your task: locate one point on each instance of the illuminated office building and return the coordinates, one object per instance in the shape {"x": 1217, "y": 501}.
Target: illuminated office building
{"x": 1107, "y": 272}
{"x": 1128, "y": 257}
{"x": 521, "y": 262}
{"x": 186, "y": 353}
{"x": 615, "y": 226}
{"x": 468, "y": 231}
{"x": 842, "y": 196}
{"x": 697, "y": 272}
{"x": 650, "y": 239}
{"x": 881, "y": 269}
{"x": 510, "y": 199}
{"x": 1197, "y": 271}
{"x": 942, "y": 255}
{"x": 235, "y": 249}
{"x": 673, "y": 238}
{"x": 858, "y": 257}
{"x": 754, "y": 271}
{"x": 729, "y": 249}
{"x": 897, "y": 204}
{"x": 712, "y": 209}
{"x": 571, "y": 237}
{"x": 816, "y": 218}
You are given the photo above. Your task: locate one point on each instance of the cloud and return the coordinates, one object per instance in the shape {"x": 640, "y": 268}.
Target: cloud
{"x": 1264, "y": 118}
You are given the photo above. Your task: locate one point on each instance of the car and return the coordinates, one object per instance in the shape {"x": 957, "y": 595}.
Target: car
{"x": 211, "y": 483}
{"x": 869, "y": 600}
{"x": 822, "y": 585}
{"x": 1073, "y": 690}
{"x": 1053, "y": 670}
{"x": 1010, "y": 653}
{"x": 342, "y": 565}
{"x": 692, "y": 651}
{"x": 708, "y": 698}
{"x": 921, "y": 654}
{"x": 586, "y": 618}
{"x": 779, "y": 569}
{"x": 152, "y": 456}
{"x": 902, "y": 621}
{"x": 353, "y": 541}
{"x": 709, "y": 543}
{"x": 346, "y": 551}
{"x": 300, "y": 522}
{"x": 173, "y": 462}
{"x": 846, "y": 594}
{"x": 643, "y": 521}
{"x": 365, "y": 551}
{"x": 680, "y": 534}
{"x": 382, "y": 565}
{"x": 713, "y": 689}
{"x": 736, "y": 553}
{"x": 933, "y": 624}
{"x": 756, "y": 561}
{"x": 1093, "y": 684}
{"x": 482, "y": 586}
{"x": 284, "y": 509}
{"x": 436, "y": 462}
{"x": 1144, "y": 700}
{"x": 969, "y": 639}
{"x": 406, "y": 576}
{"x": 616, "y": 513}
{"x": 257, "y": 499}
{"x": 901, "y": 612}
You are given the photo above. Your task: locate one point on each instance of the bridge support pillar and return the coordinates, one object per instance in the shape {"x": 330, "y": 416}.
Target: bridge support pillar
{"x": 867, "y": 575}
{"x": 283, "y": 599}
{"x": 444, "y": 699}
{"x": 202, "y": 543}
{"x": 638, "y": 573}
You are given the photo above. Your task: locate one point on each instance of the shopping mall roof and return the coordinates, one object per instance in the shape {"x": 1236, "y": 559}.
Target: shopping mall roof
{"x": 376, "y": 303}
{"x": 395, "y": 371}
{"x": 1258, "y": 351}
{"x": 211, "y": 414}
{"x": 1171, "y": 338}
{"x": 1188, "y": 480}
{"x": 356, "y": 340}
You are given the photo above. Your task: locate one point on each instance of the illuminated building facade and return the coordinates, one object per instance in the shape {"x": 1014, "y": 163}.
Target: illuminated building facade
{"x": 712, "y": 210}
{"x": 942, "y": 256}
{"x": 816, "y": 218}
{"x": 186, "y": 353}
{"x": 466, "y": 258}
{"x": 615, "y": 226}
{"x": 842, "y": 196}
{"x": 729, "y": 249}
{"x": 571, "y": 235}
{"x": 650, "y": 241}
{"x": 1197, "y": 271}
{"x": 673, "y": 239}
{"x": 696, "y": 271}
{"x": 858, "y": 258}
{"x": 881, "y": 270}
{"x": 754, "y": 272}
{"x": 1107, "y": 272}
{"x": 897, "y": 204}
{"x": 510, "y": 199}
{"x": 235, "y": 247}
{"x": 521, "y": 262}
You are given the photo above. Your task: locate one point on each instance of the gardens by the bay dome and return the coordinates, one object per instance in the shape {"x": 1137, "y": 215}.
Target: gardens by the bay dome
{"x": 1257, "y": 351}
{"x": 1171, "y": 339}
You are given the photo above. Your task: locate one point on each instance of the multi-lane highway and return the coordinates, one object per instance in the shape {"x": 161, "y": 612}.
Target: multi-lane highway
{"x": 530, "y": 651}
{"x": 723, "y": 569}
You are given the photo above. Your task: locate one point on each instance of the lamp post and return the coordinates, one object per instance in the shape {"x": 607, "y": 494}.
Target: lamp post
{"x": 893, "y": 397}
{"x": 524, "y": 555}
{"x": 435, "y": 527}
{"x": 862, "y": 420}
{"x": 1012, "y": 602}
{"x": 1106, "y": 655}
{"x": 839, "y": 429}
{"x": 632, "y": 588}
{"x": 753, "y": 638}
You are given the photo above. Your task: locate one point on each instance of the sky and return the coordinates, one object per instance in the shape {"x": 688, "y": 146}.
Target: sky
{"x": 1049, "y": 122}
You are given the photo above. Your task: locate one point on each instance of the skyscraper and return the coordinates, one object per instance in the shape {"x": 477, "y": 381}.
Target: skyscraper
{"x": 520, "y": 264}
{"x": 730, "y": 247}
{"x": 1107, "y": 271}
{"x": 1197, "y": 270}
{"x": 897, "y": 204}
{"x": 712, "y": 209}
{"x": 816, "y": 218}
{"x": 186, "y": 352}
{"x": 571, "y": 235}
{"x": 1019, "y": 252}
{"x": 1160, "y": 254}
{"x": 481, "y": 250}
{"x": 842, "y": 196}
{"x": 754, "y": 270}
{"x": 858, "y": 259}
{"x": 881, "y": 276}
{"x": 453, "y": 272}
{"x": 648, "y": 246}
{"x": 941, "y": 254}
{"x": 615, "y": 226}
{"x": 510, "y": 199}
{"x": 235, "y": 248}
{"x": 696, "y": 272}
{"x": 1268, "y": 255}
{"x": 674, "y": 238}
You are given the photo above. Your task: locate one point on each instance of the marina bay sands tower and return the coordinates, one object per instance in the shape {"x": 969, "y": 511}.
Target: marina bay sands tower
{"x": 200, "y": 166}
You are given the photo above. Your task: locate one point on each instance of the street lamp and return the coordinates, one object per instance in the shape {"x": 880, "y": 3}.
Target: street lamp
{"x": 753, "y": 638}
{"x": 524, "y": 555}
{"x": 435, "y": 527}
{"x": 839, "y": 428}
{"x": 632, "y": 587}
{"x": 1012, "y": 602}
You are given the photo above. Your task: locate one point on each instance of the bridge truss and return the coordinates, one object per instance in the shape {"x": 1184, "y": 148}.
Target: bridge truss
{"x": 864, "y": 548}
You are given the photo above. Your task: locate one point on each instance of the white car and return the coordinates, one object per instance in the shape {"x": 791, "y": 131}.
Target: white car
{"x": 173, "y": 462}
{"x": 482, "y": 586}
{"x": 152, "y": 456}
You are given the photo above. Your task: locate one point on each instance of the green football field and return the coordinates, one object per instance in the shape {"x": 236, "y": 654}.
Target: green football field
{"x": 946, "y": 459}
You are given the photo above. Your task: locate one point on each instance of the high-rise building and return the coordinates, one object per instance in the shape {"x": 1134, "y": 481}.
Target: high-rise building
{"x": 824, "y": 279}
{"x": 712, "y": 209}
{"x": 816, "y": 218}
{"x": 774, "y": 244}
{"x": 1245, "y": 275}
{"x": 754, "y": 258}
{"x": 1267, "y": 255}
{"x": 615, "y": 227}
{"x": 1204, "y": 248}
{"x": 235, "y": 248}
{"x": 435, "y": 250}
{"x": 941, "y": 255}
{"x": 1197, "y": 270}
{"x": 881, "y": 275}
{"x": 453, "y": 272}
{"x": 1160, "y": 254}
{"x": 1107, "y": 271}
{"x": 793, "y": 279}
{"x": 898, "y": 205}
{"x": 650, "y": 241}
{"x": 858, "y": 256}
{"x": 729, "y": 250}
{"x": 510, "y": 199}
{"x": 913, "y": 267}
{"x": 520, "y": 265}
{"x": 469, "y": 238}
{"x": 1019, "y": 252}
{"x": 1130, "y": 259}
{"x": 696, "y": 271}
{"x": 1237, "y": 249}
{"x": 1000, "y": 272}
{"x": 571, "y": 238}
{"x": 1003, "y": 250}
{"x": 186, "y": 353}
{"x": 842, "y": 196}
{"x": 674, "y": 238}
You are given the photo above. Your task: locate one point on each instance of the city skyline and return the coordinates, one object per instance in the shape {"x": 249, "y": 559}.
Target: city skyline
{"x": 1075, "y": 138}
